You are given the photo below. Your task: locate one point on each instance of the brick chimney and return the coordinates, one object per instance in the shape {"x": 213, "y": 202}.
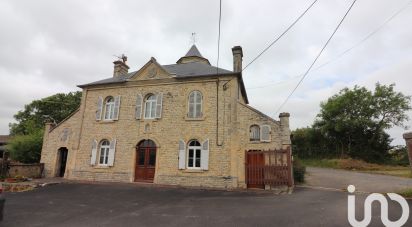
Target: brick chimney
{"x": 120, "y": 67}
{"x": 237, "y": 58}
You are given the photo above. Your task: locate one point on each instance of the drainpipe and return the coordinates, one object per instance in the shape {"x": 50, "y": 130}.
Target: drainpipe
{"x": 217, "y": 113}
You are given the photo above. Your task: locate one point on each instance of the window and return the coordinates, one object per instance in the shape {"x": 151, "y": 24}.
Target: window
{"x": 109, "y": 109}
{"x": 195, "y": 104}
{"x": 104, "y": 152}
{"x": 150, "y": 107}
{"x": 193, "y": 158}
{"x": 254, "y": 133}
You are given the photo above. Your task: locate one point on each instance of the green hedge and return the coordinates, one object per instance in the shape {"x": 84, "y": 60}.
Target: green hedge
{"x": 299, "y": 170}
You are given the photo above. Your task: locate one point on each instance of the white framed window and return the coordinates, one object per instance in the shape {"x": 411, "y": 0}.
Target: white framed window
{"x": 194, "y": 151}
{"x": 109, "y": 108}
{"x": 104, "y": 152}
{"x": 254, "y": 133}
{"x": 150, "y": 107}
{"x": 195, "y": 104}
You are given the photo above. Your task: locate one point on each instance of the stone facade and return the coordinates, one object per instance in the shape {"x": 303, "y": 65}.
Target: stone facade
{"x": 225, "y": 123}
{"x": 408, "y": 141}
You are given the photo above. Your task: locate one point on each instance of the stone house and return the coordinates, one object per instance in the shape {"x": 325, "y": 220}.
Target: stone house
{"x": 185, "y": 124}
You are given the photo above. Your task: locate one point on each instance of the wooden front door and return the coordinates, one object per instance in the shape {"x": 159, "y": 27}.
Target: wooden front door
{"x": 145, "y": 161}
{"x": 255, "y": 170}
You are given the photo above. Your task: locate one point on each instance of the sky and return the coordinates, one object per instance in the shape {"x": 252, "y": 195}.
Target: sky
{"x": 48, "y": 47}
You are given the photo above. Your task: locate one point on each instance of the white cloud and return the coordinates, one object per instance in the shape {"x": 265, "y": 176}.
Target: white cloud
{"x": 49, "y": 46}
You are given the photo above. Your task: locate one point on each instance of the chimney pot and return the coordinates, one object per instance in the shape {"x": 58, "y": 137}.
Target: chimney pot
{"x": 237, "y": 58}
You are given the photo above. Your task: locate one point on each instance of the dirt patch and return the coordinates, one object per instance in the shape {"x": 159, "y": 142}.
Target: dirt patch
{"x": 16, "y": 187}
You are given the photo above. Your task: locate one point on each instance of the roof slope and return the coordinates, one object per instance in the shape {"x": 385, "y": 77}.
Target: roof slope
{"x": 193, "y": 52}
{"x": 192, "y": 69}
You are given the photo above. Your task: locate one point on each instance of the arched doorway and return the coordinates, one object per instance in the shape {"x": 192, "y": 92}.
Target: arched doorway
{"x": 61, "y": 161}
{"x": 145, "y": 161}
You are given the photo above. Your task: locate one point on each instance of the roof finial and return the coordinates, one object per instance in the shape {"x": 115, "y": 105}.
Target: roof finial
{"x": 193, "y": 38}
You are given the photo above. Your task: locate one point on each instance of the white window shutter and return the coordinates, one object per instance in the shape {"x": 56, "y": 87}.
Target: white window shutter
{"x": 182, "y": 154}
{"x": 139, "y": 105}
{"x": 116, "y": 107}
{"x": 93, "y": 156}
{"x": 204, "y": 155}
{"x": 265, "y": 133}
{"x": 99, "y": 109}
{"x": 159, "y": 103}
{"x": 112, "y": 151}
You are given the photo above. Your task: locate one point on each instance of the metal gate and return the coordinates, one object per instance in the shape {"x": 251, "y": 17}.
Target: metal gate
{"x": 268, "y": 168}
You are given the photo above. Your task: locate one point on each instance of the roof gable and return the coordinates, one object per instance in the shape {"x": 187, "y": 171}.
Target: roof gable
{"x": 150, "y": 71}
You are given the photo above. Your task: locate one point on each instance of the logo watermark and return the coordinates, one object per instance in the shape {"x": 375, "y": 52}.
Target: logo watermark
{"x": 384, "y": 209}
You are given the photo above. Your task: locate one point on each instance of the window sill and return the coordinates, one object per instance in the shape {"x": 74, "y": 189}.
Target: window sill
{"x": 106, "y": 121}
{"x": 256, "y": 142}
{"x": 194, "y": 119}
{"x": 194, "y": 170}
{"x": 149, "y": 119}
{"x": 101, "y": 167}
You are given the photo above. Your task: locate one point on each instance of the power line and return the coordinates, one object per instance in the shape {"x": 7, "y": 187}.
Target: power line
{"x": 347, "y": 50}
{"x": 277, "y": 39}
{"x": 320, "y": 52}
{"x": 366, "y": 37}
{"x": 280, "y": 36}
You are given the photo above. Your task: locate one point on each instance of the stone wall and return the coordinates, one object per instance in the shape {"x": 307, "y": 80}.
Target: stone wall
{"x": 26, "y": 170}
{"x": 408, "y": 140}
{"x": 227, "y": 132}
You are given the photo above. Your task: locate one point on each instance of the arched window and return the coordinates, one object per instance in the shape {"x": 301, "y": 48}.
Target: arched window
{"x": 109, "y": 108}
{"x": 150, "y": 107}
{"x": 195, "y": 104}
{"x": 254, "y": 133}
{"x": 193, "y": 157}
{"x": 104, "y": 152}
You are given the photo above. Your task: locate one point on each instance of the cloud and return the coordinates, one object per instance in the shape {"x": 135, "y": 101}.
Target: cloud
{"x": 49, "y": 46}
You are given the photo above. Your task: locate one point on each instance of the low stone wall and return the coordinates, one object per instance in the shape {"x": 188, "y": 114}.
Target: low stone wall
{"x": 27, "y": 170}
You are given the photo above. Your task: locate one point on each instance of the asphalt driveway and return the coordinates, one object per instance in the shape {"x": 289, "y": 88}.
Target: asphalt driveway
{"x": 340, "y": 179}
{"x": 75, "y": 204}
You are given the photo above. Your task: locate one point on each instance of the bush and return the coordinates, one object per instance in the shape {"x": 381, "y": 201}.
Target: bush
{"x": 299, "y": 171}
{"x": 26, "y": 148}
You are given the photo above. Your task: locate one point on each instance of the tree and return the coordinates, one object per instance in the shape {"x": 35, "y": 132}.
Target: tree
{"x": 26, "y": 148}
{"x": 55, "y": 108}
{"x": 356, "y": 120}
{"x": 27, "y": 141}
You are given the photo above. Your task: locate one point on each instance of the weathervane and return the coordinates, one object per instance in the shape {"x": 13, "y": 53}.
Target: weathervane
{"x": 193, "y": 38}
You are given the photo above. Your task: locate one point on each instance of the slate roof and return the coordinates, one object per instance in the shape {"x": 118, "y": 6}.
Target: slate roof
{"x": 191, "y": 69}
{"x": 179, "y": 71}
{"x": 193, "y": 52}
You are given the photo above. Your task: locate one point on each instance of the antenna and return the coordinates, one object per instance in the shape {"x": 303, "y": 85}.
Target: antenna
{"x": 122, "y": 57}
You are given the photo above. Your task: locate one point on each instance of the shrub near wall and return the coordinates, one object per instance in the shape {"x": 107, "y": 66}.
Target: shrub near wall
{"x": 299, "y": 171}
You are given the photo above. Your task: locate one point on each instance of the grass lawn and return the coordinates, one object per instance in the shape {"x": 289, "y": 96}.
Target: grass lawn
{"x": 406, "y": 193}
{"x": 358, "y": 165}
